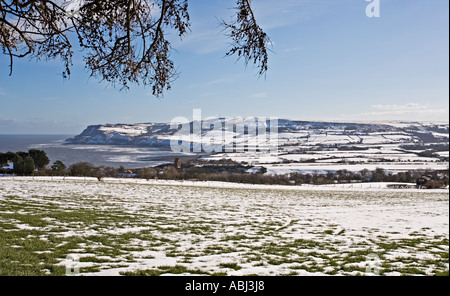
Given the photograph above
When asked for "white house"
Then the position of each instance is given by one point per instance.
(10, 166)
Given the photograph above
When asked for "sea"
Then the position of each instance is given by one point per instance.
(106, 155)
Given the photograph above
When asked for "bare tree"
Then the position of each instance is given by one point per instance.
(124, 41)
(249, 40)
(35, 28)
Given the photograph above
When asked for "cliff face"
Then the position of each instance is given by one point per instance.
(151, 135)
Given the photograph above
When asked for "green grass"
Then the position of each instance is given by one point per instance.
(22, 254)
(441, 273)
(235, 237)
(146, 272)
(37, 234)
(231, 265)
(309, 266)
(177, 269)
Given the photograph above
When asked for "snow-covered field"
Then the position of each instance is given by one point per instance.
(329, 148)
(168, 227)
(318, 167)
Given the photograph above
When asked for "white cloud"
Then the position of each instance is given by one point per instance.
(409, 106)
(7, 122)
(292, 49)
(203, 41)
(409, 111)
(207, 35)
(223, 80)
(260, 95)
(406, 109)
(220, 81)
(38, 126)
(287, 12)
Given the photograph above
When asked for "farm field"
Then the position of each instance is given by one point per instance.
(161, 228)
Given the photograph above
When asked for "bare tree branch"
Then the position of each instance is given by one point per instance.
(123, 41)
(249, 41)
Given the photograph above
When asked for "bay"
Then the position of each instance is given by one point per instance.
(106, 155)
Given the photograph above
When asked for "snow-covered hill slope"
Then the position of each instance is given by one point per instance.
(290, 133)
(301, 146)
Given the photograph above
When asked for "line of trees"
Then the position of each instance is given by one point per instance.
(438, 179)
(35, 163)
(25, 163)
(236, 173)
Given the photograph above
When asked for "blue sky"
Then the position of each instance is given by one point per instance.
(329, 62)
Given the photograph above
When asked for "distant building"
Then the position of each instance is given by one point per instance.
(9, 166)
(128, 174)
(422, 181)
(177, 163)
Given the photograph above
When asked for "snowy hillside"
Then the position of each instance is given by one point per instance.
(289, 133)
(301, 145)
